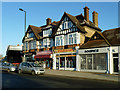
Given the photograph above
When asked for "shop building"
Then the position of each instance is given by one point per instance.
(46, 42)
(31, 42)
(70, 34)
(101, 53)
(14, 54)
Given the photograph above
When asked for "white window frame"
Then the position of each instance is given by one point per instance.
(73, 38)
(59, 41)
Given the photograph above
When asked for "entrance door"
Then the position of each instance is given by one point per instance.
(115, 64)
(89, 62)
(57, 63)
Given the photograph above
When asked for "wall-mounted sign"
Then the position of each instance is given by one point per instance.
(44, 53)
(66, 56)
(94, 50)
(32, 50)
(64, 50)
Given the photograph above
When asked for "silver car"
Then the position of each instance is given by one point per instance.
(8, 67)
(30, 67)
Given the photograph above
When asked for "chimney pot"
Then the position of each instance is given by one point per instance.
(48, 21)
(95, 18)
(86, 13)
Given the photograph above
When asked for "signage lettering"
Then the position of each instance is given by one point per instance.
(96, 50)
(64, 50)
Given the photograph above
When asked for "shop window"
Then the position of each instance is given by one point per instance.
(62, 62)
(83, 61)
(89, 62)
(99, 62)
(96, 62)
(71, 62)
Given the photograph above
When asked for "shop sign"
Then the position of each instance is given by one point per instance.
(66, 56)
(64, 50)
(32, 50)
(95, 50)
(44, 53)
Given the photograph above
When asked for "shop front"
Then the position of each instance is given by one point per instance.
(45, 59)
(104, 60)
(29, 55)
(65, 60)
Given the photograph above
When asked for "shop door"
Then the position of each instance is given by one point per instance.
(57, 63)
(115, 64)
(89, 62)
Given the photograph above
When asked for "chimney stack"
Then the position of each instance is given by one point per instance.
(95, 18)
(48, 21)
(86, 13)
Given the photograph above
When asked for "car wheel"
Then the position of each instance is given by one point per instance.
(19, 71)
(8, 70)
(33, 72)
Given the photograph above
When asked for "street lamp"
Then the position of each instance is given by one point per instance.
(25, 17)
(25, 28)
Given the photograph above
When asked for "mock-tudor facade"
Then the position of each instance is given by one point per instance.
(61, 45)
(70, 34)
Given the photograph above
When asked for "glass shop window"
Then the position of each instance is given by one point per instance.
(71, 62)
(83, 61)
(62, 62)
(100, 62)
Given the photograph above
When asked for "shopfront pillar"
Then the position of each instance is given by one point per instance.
(54, 61)
(111, 60)
(65, 63)
(77, 59)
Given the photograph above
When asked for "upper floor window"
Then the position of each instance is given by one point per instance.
(72, 39)
(66, 25)
(31, 35)
(47, 32)
(59, 41)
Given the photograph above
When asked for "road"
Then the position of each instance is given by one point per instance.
(15, 80)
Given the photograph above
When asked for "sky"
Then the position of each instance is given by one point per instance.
(38, 12)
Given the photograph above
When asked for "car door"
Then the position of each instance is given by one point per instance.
(23, 67)
(28, 68)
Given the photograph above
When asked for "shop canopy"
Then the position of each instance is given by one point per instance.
(43, 54)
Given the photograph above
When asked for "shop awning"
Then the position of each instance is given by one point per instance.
(42, 56)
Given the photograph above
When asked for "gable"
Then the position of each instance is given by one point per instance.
(96, 36)
(32, 32)
(68, 24)
(97, 40)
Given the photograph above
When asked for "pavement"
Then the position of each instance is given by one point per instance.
(84, 75)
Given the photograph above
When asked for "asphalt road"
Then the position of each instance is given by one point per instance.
(15, 80)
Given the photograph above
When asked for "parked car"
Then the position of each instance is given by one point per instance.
(8, 67)
(31, 67)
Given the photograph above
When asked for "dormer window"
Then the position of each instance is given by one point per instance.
(47, 32)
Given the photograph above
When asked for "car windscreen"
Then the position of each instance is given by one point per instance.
(35, 65)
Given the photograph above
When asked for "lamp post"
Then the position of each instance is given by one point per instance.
(25, 17)
(24, 29)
